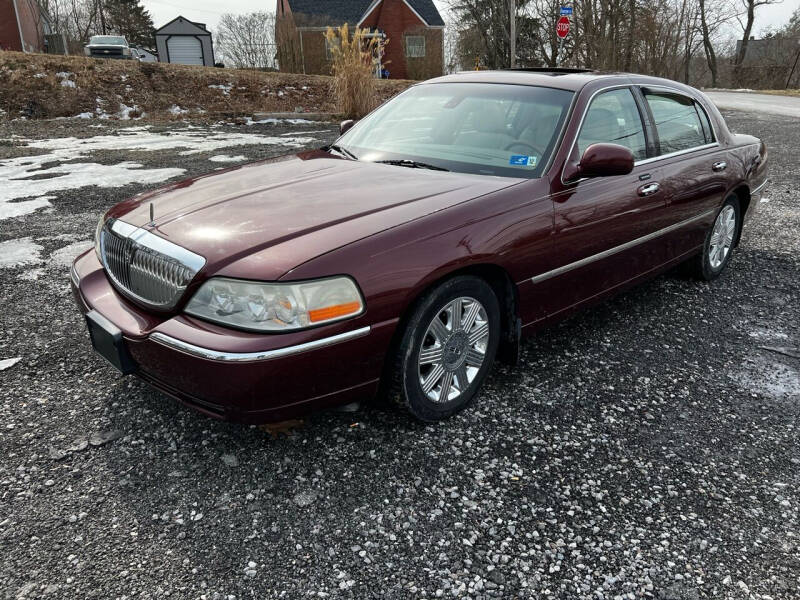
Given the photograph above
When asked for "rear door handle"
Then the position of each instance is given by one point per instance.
(648, 189)
(719, 166)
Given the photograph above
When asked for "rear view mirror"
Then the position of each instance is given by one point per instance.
(602, 160)
(344, 126)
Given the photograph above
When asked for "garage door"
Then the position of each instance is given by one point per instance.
(185, 50)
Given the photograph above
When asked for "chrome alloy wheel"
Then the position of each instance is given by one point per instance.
(453, 349)
(722, 237)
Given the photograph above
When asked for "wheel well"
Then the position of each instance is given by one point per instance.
(507, 295)
(743, 194)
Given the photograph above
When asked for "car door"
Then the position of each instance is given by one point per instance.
(692, 163)
(603, 226)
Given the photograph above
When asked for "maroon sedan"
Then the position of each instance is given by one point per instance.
(467, 211)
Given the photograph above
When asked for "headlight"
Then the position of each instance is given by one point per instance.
(276, 306)
(98, 230)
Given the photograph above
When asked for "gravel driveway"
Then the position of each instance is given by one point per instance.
(647, 448)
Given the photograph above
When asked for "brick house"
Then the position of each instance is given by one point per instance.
(414, 30)
(23, 25)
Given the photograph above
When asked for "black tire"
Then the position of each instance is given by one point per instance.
(403, 379)
(700, 266)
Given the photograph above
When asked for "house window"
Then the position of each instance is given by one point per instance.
(415, 46)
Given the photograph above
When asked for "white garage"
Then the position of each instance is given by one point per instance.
(185, 42)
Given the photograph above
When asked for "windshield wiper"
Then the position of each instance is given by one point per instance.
(342, 151)
(411, 164)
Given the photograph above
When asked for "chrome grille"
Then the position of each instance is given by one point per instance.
(145, 267)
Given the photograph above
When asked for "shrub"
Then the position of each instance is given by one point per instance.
(353, 63)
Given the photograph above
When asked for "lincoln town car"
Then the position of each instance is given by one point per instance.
(406, 257)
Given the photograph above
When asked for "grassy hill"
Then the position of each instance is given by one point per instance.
(42, 86)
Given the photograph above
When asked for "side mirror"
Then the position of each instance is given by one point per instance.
(344, 126)
(602, 160)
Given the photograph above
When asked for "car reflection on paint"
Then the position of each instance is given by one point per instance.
(406, 257)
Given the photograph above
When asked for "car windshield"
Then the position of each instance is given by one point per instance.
(108, 40)
(488, 129)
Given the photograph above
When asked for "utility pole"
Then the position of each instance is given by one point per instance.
(512, 10)
(794, 66)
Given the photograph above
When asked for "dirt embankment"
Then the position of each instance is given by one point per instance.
(40, 86)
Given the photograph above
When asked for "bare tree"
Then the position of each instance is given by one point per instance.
(247, 41)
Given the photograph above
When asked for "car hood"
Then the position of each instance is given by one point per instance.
(263, 219)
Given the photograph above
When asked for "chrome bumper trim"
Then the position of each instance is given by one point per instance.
(73, 275)
(759, 188)
(209, 354)
(617, 249)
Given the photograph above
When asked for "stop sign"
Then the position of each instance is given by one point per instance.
(562, 27)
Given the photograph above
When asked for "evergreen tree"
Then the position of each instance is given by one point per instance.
(129, 18)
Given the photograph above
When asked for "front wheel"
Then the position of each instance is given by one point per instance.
(448, 346)
(718, 246)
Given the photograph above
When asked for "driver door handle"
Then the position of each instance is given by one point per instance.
(719, 166)
(648, 189)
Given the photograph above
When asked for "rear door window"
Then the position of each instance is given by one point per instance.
(613, 118)
(677, 122)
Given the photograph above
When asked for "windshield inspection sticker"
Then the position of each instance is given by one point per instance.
(520, 160)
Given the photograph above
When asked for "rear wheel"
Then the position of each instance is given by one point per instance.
(718, 246)
(448, 346)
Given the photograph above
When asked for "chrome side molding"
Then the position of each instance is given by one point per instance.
(209, 354)
(617, 249)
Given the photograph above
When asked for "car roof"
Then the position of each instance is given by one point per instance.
(564, 79)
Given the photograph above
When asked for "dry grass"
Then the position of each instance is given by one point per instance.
(30, 86)
(780, 92)
(353, 65)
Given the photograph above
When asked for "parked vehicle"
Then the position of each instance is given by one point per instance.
(108, 46)
(143, 55)
(303, 282)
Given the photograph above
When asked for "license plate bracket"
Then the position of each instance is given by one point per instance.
(108, 342)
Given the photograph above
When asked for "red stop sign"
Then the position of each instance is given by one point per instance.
(562, 27)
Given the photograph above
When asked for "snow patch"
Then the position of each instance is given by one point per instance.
(64, 74)
(31, 274)
(225, 89)
(176, 110)
(10, 210)
(125, 111)
(249, 121)
(7, 363)
(68, 83)
(84, 115)
(224, 158)
(63, 257)
(40, 75)
(16, 253)
(77, 175)
(24, 177)
(771, 378)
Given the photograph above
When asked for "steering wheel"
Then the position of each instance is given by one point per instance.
(537, 151)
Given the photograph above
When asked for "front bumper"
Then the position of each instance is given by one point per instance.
(234, 375)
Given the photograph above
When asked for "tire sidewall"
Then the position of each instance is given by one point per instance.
(415, 399)
(710, 272)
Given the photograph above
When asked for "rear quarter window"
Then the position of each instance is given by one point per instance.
(680, 123)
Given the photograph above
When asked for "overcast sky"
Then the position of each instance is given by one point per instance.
(209, 11)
